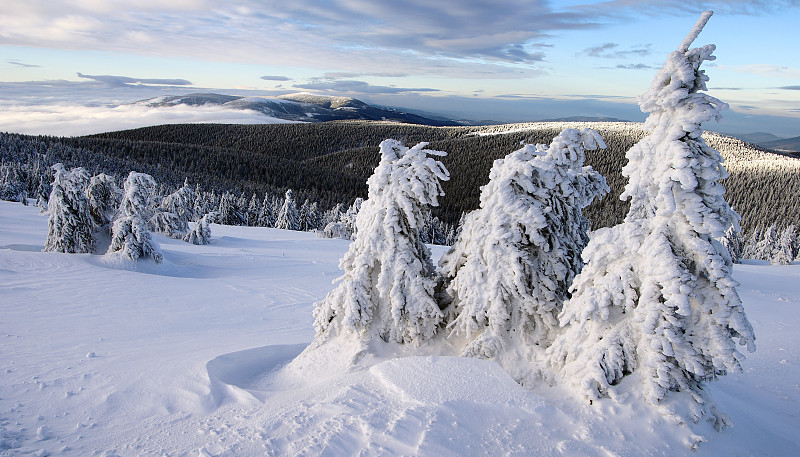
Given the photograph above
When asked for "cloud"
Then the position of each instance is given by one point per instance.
(276, 78)
(790, 88)
(353, 32)
(610, 51)
(777, 71)
(121, 81)
(359, 87)
(71, 120)
(727, 7)
(628, 66)
(22, 64)
(346, 75)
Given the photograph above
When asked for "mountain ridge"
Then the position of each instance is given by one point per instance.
(303, 107)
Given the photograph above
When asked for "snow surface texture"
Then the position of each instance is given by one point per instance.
(656, 298)
(184, 359)
(523, 248)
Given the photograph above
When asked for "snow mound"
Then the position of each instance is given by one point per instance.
(440, 380)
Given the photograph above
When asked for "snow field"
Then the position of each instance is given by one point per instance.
(198, 356)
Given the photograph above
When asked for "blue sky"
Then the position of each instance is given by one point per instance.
(506, 61)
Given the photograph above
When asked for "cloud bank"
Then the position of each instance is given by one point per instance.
(71, 120)
(121, 81)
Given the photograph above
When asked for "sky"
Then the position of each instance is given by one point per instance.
(68, 61)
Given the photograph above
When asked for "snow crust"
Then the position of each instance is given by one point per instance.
(198, 356)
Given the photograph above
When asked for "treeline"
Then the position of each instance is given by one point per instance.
(329, 163)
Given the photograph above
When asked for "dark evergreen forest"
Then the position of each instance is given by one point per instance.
(330, 162)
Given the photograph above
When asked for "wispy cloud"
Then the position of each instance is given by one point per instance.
(347, 75)
(358, 87)
(729, 7)
(20, 63)
(121, 81)
(612, 51)
(777, 71)
(790, 88)
(276, 78)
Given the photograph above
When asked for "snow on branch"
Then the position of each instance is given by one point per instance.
(698, 27)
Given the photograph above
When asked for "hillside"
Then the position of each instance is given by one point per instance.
(330, 162)
(758, 187)
(787, 145)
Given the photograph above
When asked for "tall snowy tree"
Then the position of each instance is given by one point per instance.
(389, 278)
(656, 297)
(129, 235)
(70, 221)
(104, 196)
(288, 217)
(511, 267)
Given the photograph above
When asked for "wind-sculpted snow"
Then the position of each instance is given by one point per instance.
(156, 361)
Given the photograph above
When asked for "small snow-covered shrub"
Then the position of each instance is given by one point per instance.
(201, 233)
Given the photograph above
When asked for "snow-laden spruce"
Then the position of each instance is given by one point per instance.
(104, 196)
(69, 218)
(511, 266)
(129, 234)
(172, 216)
(288, 216)
(389, 279)
(656, 297)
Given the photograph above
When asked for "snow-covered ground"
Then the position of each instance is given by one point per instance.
(190, 358)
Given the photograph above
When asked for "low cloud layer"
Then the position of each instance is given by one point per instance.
(358, 87)
(70, 120)
(121, 81)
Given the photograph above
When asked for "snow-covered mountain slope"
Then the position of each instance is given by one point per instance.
(301, 107)
(197, 357)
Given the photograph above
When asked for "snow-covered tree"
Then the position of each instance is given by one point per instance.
(766, 246)
(786, 247)
(388, 283)
(267, 214)
(229, 211)
(288, 217)
(733, 243)
(511, 267)
(172, 215)
(656, 297)
(70, 222)
(201, 233)
(253, 209)
(129, 233)
(104, 196)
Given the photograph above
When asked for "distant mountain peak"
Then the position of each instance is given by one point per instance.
(327, 101)
(302, 107)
